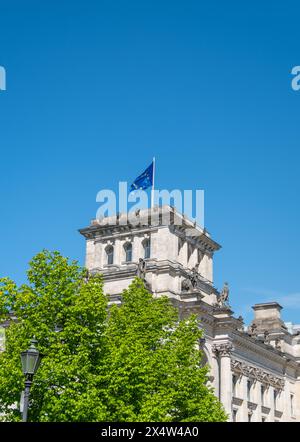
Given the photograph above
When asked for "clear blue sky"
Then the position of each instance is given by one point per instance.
(96, 88)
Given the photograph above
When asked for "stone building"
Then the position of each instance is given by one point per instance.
(254, 370)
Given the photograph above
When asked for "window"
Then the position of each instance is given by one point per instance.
(234, 415)
(275, 395)
(234, 381)
(249, 390)
(292, 405)
(262, 394)
(147, 248)
(128, 252)
(109, 254)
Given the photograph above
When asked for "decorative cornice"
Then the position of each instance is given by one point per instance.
(243, 340)
(162, 216)
(257, 374)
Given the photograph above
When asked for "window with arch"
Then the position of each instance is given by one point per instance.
(147, 248)
(128, 252)
(275, 397)
(109, 254)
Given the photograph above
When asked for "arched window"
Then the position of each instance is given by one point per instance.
(109, 254)
(147, 248)
(128, 251)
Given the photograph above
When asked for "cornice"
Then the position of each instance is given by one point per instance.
(243, 340)
(177, 223)
(115, 272)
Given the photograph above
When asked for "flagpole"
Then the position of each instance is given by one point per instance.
(152, 190)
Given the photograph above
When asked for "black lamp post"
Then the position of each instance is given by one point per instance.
(30, 359)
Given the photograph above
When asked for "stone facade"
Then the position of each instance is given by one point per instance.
(254, 370)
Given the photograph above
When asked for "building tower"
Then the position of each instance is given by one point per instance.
(255, 371)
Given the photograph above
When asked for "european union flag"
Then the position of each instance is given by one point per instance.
(144, 180)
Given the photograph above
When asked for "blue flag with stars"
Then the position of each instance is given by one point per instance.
(144, 180)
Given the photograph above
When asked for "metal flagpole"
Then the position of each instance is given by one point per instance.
(152, 190)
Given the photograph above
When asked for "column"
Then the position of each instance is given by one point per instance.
(118, 251)
(271, 403)
(89, 255)
(98, 255)
(137, 249)
(243, 411)
(215, 373)
(256, 399)
(223, 350)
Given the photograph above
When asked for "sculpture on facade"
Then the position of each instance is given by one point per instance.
(141, 273)
(224, 296)
(278, 344)
(194, 276)
(190, 283)
(186, 285)
(141, 269)
(252, 329)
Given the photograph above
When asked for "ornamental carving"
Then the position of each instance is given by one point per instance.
(191, 283)
(222, 299)
(257, 374)
(223, 349)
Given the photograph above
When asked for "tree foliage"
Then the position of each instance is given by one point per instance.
(136, 362)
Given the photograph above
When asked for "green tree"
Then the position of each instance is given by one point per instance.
(136, 362)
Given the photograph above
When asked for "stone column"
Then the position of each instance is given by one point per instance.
(223, 350)
(118, 251)
(215, 372)
(271, 403)
(256, 399)
(99, 255)
(137, 249)
(243, 417)
(90, 254)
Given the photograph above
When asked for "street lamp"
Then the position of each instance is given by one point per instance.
(30, 359)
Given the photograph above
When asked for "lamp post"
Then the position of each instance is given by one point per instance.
(30, 359)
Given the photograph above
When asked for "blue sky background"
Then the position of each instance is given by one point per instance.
(96, 88)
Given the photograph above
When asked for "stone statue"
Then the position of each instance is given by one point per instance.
(252, 329)
(186, 285)
(224, 295)
(141, 269)
(195, 275)
(191, 282)
(278, 344)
